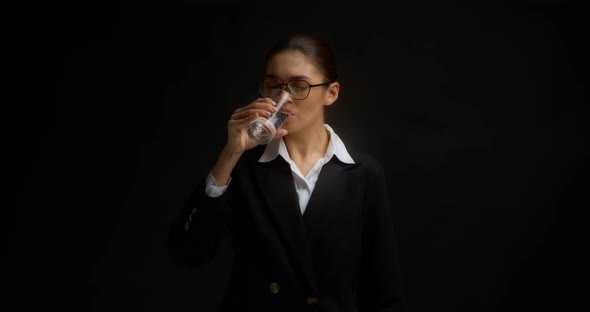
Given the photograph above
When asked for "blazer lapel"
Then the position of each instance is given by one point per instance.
(337, 187)
(278, 189)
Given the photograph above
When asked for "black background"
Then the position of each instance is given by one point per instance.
(116, 110)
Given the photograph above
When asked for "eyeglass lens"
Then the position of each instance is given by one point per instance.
(298, 88)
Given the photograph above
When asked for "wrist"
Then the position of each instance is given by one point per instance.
(224, 166)
(230, 153)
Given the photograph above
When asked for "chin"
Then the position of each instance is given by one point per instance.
(290, 127)
(286, 127)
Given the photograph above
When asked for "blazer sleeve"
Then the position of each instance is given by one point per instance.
(380, 278)
(200, 227)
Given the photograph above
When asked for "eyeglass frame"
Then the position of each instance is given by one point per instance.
(285, 84)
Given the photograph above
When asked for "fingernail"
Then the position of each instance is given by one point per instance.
(273, 103)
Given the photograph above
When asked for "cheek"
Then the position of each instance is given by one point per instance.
(310, 105)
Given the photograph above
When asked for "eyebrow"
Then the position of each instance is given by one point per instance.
(290, 78)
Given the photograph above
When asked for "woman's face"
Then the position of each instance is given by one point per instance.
(292, 64)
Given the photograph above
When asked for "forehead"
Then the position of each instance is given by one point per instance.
(291, 63)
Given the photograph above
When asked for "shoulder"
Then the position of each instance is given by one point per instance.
(367, 161)
(373, 177)
(360, 157)
(249, 158)
(253, 155)
(370, 168)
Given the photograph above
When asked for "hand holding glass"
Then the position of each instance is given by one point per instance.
(262, 130)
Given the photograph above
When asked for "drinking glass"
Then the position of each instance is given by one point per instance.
(263, 130)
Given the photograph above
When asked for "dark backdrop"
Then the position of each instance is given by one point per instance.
(477, 111)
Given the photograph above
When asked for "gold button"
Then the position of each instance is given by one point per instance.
(312, 300)
(190, 218)
(186, 226)
(194, 210)
(274, 288)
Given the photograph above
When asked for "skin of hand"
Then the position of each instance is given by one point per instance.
(238, 140)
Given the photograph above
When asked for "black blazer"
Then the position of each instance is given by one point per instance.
(339, 256)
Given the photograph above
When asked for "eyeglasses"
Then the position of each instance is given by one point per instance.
(299, 89)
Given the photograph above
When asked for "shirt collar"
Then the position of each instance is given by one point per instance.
(335, 147)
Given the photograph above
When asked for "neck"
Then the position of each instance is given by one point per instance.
(310, 143)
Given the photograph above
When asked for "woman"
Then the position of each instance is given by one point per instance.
(309, 222)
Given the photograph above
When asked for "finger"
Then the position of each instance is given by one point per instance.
(266, 100)
(259, 104)
(246, 114)
(281, 133)
(260, 108)
(241, 123)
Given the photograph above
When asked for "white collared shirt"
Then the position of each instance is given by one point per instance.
(304, 185)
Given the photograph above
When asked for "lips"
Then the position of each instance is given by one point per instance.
(288, 111)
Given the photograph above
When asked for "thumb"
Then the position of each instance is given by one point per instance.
(281, 133)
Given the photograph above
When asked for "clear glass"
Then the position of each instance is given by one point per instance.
(263, 130)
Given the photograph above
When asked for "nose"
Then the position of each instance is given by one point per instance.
(290, 102)
(284, 99)
(286, 88)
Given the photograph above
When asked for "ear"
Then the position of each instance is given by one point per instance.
(331, 93)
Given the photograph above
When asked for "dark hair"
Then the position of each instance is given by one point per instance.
(313, 47)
